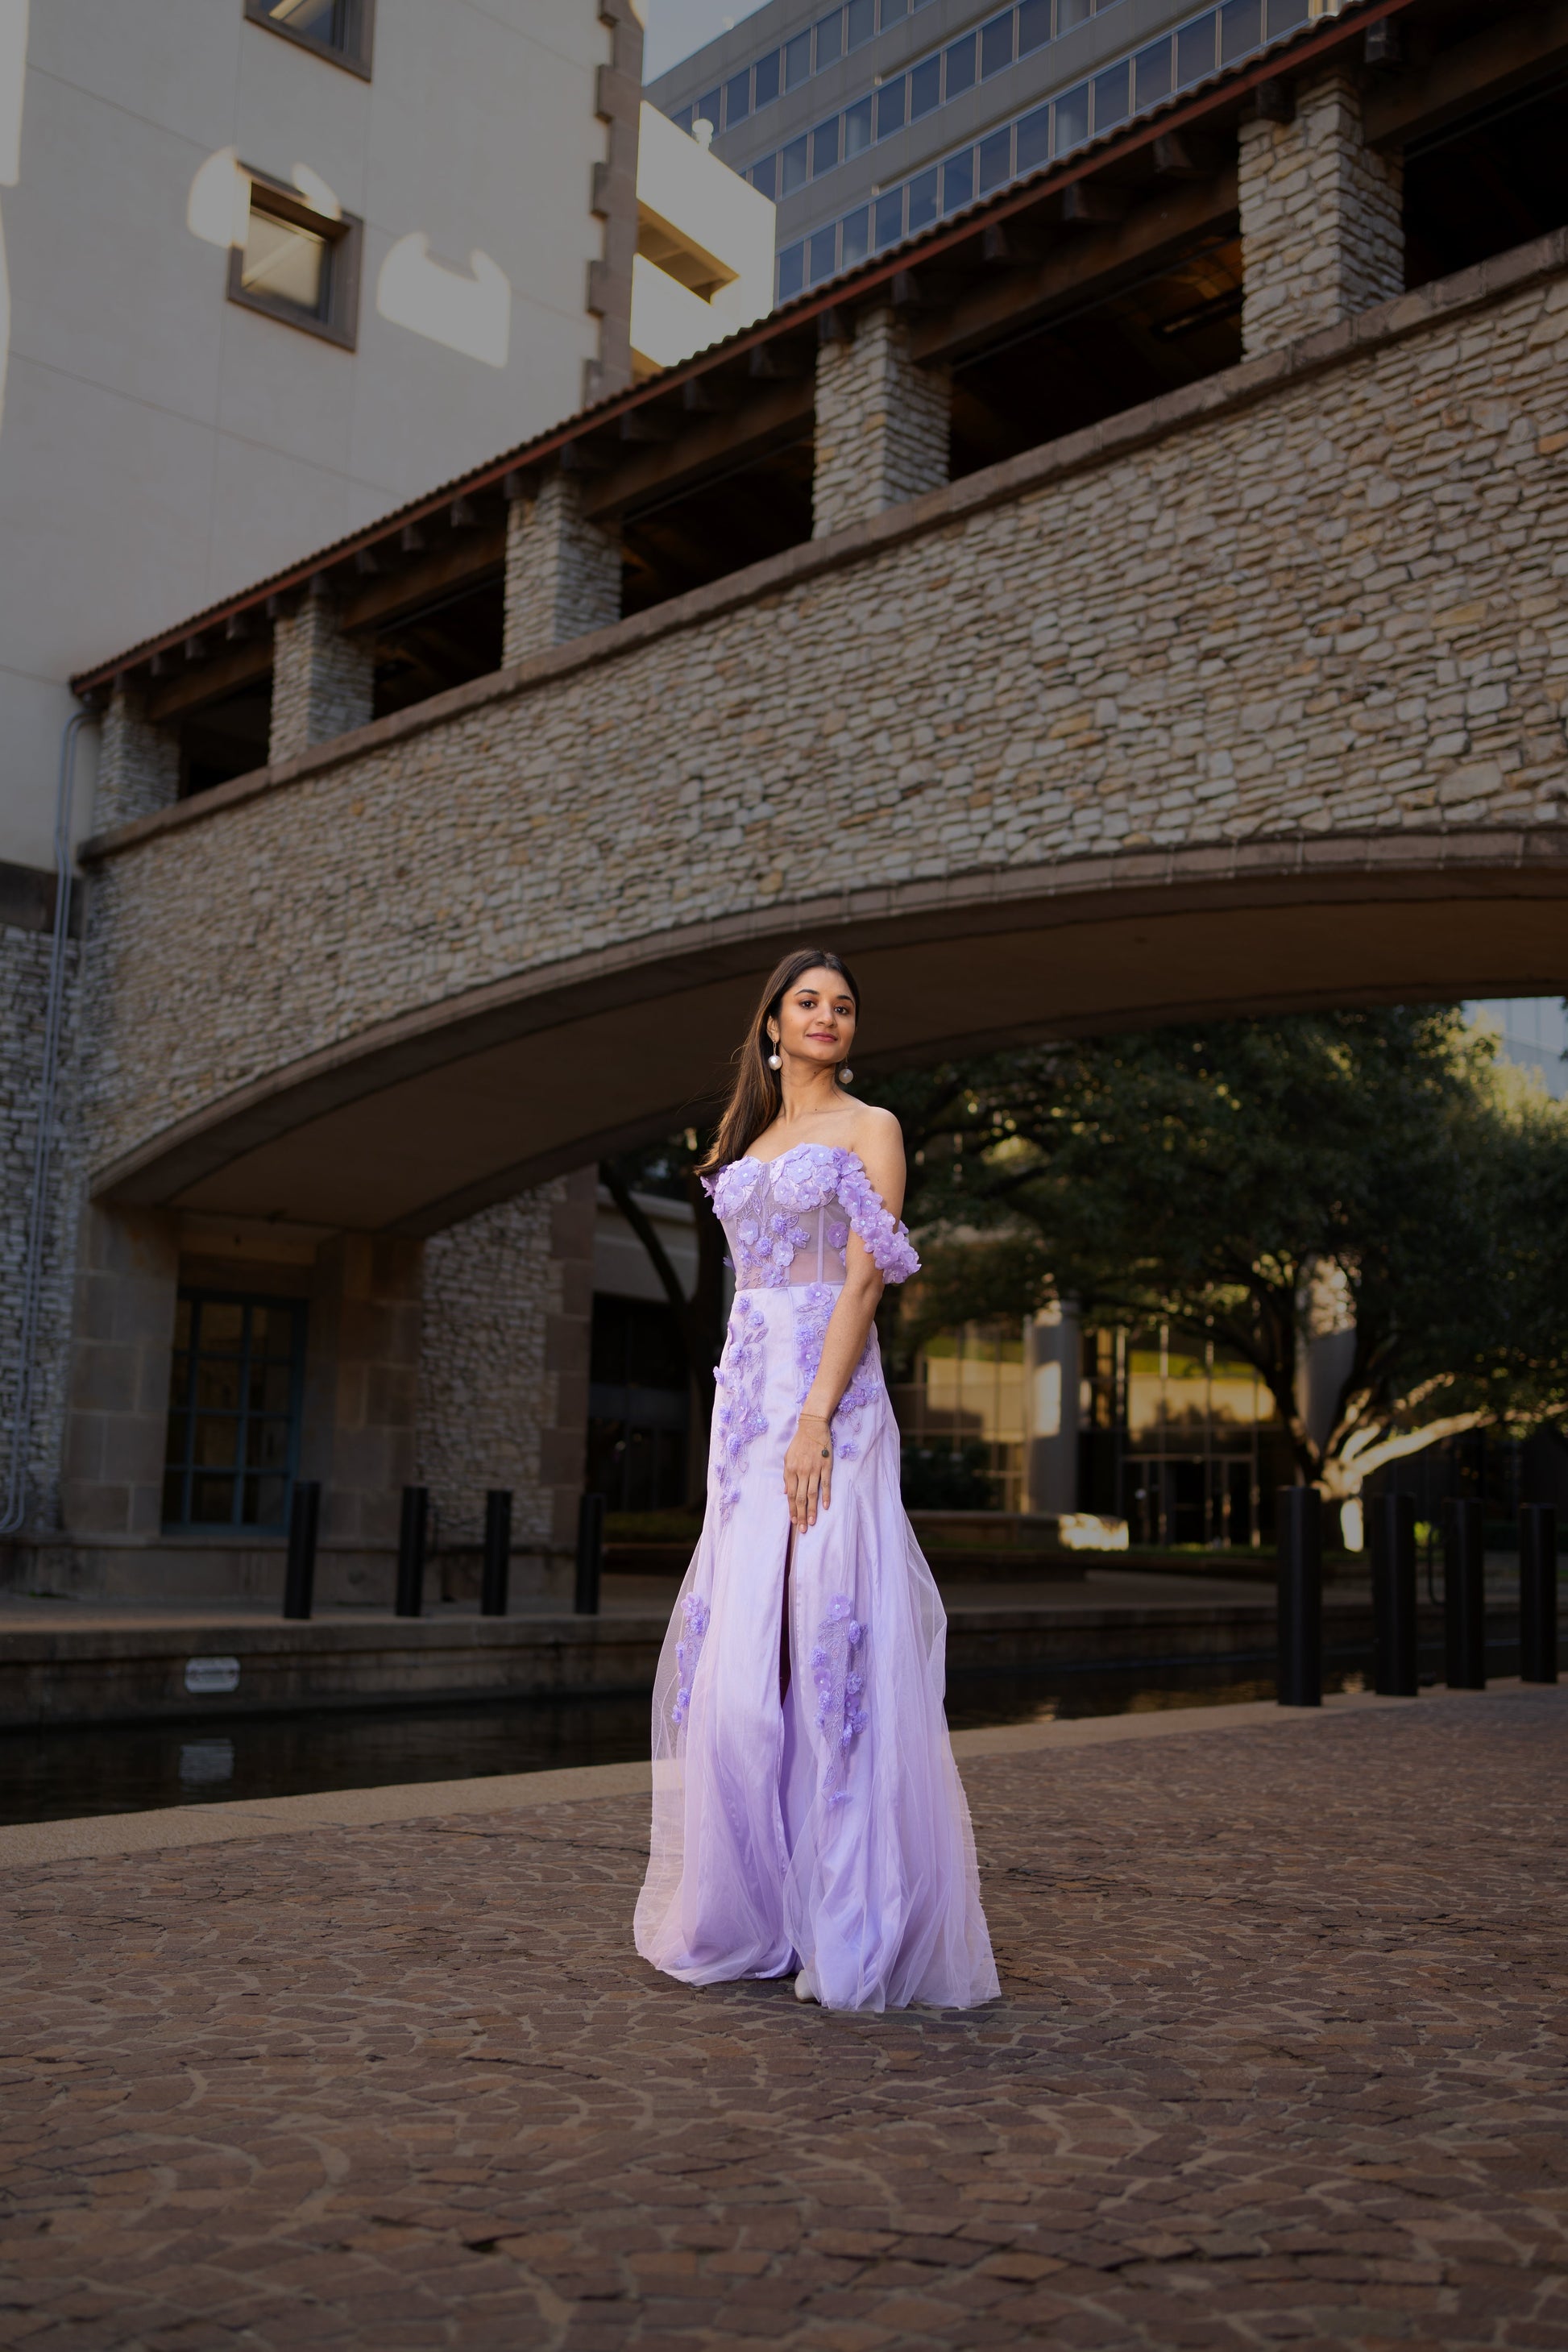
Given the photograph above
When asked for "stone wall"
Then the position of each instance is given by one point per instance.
(1321, 595)
(882, 425)
(562, 573)
(138, 764)
(503, 1370)
(24, 983)
(1323, 235)
(323, 683)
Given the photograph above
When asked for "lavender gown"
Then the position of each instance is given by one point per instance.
(831, 1831)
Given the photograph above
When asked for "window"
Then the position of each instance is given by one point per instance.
(894, 12)
(856, 229)
(298, 264)
(996, 44)
(925, 87)
(737, 98)
(1152, 73)
(1240, 29)
(996, 160)
(1072, 119)
(793, 161)
(890, 107)
(830, 39)
(958, 180)
(1195, 50)
(235, 1395)
(768, 78)
(862, 22)
(890, 218)
(341, 30)
(797, 61)
(856, 126)
(823, 147)
(708, 108)
(822, 254)
(1035, 140)
(764, 178)
(923, 200)
(791, 271)
(1033, 26)
(961, 65)
(1111, 97)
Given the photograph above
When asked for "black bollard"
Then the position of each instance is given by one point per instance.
(1538, 1593)
(498, 1552)
(1464, 1593)
(1394, 1673)
(299, 1576)
(590, 1553)
(1299, 1514)
(411, 1534)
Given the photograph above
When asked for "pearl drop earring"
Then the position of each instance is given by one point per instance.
(846, 1074)
(775, 1061)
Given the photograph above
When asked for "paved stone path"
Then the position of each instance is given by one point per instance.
(1281, 2059)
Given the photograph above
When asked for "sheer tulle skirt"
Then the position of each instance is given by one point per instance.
(829, 1832)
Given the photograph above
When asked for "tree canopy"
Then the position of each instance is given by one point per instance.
(1266, 1183)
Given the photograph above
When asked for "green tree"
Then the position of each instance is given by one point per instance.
(1267, 1182)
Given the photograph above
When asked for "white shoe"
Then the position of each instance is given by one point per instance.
(804, 1988)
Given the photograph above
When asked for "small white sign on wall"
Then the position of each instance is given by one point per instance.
(210, 1677)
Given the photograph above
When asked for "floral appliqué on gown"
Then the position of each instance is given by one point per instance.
(829, 1832)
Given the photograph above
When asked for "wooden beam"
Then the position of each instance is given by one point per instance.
(1173, 216)
(460, 561)
(210, 682)
(1424, 96)
(776, 414)
(1090, 203)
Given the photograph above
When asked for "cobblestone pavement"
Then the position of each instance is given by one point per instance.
(1279, 2058)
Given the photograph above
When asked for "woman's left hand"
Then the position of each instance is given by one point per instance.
(808, 1470)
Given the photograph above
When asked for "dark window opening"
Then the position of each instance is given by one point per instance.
(638, 1405)
(717, 526)
(1495, 179)
(340, 30)
(234, 1394)
(225, 739)
(443, 643)
(1168, 329)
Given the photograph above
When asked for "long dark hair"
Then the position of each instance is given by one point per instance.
(754, 1099)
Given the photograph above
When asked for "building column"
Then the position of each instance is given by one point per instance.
(1051, 1408)
(1321, 227)
(138, 764)
(117, 1409)
(881, 425)
(361, 1380)
(563, 573)
(323, 681)
(503, 1379)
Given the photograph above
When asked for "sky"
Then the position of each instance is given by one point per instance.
(676, 27)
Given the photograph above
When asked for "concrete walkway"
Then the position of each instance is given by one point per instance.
(1280, 2057)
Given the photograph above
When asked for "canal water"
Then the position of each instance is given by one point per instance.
(63, 1773)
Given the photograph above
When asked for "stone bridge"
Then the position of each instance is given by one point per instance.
(1247, 696)
(1250, 699)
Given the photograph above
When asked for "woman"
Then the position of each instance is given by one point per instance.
(807, 1813)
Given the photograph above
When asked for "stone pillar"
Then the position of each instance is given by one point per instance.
(1051, 1350)
(117, 1413)
(563, 573)
(138, 764)
(323, 682)
(503, 1379)
(1322, 227)
(881, 425)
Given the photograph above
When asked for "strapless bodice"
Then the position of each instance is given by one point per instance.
(788, 1220)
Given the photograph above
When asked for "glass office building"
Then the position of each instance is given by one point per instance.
(871, 121)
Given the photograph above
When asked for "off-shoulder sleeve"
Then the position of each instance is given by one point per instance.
(885, 1235)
